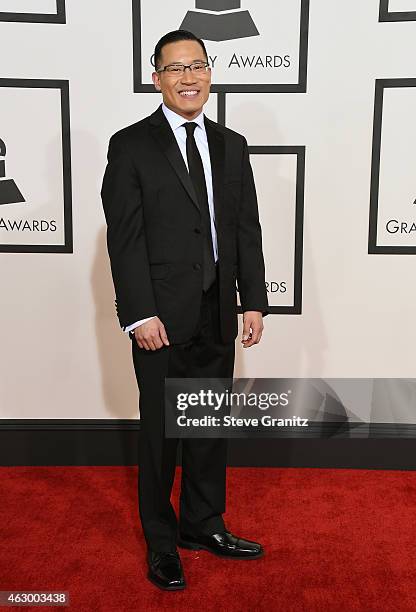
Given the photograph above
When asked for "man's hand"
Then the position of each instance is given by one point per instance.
(252, 327)
(151, 335)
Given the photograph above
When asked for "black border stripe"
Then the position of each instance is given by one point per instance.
(109, 442)
(137, 45)
(375, 167)
(304, 43)
(221, 108)
(328, 429)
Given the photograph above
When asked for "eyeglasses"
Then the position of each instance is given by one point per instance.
(178, 69)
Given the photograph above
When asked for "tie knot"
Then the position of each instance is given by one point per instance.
(189, 127)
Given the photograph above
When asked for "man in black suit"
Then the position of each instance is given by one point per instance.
(183, 228)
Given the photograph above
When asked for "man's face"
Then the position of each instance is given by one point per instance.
(171, 85)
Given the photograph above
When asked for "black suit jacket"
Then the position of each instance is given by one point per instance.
(154, 227)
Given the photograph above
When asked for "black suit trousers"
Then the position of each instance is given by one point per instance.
(202, 497)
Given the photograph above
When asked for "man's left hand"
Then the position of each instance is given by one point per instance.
(252, 327)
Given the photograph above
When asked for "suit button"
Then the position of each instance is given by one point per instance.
(197, 266)
(197, 230)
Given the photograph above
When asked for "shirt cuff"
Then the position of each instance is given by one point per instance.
(134, 325)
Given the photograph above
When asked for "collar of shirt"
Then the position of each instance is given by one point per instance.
(176, 121)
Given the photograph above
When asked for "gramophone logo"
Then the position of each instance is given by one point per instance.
(251, 46)
(9, 191)
(212, 20)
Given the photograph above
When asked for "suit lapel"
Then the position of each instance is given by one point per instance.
(166, 140)
(217, 154)
(163, 134)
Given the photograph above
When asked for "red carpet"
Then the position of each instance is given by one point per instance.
(334, 539)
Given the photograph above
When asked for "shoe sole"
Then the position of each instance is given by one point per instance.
(169, 588)
(191, 546)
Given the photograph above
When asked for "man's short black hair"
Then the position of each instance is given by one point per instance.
(175, 36)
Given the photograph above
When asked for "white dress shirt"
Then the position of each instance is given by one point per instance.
(176, 123)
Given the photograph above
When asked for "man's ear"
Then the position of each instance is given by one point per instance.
(156, 82)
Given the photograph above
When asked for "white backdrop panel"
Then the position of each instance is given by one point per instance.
(402, 5)
(397, 194)
(28, 6)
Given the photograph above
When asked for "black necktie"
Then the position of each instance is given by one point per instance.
(196, 171)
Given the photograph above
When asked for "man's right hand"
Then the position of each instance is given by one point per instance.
(151, 335)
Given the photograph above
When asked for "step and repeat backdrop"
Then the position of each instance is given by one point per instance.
(325, 93)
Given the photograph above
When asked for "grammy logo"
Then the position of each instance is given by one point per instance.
(212, 20)
(9, 192)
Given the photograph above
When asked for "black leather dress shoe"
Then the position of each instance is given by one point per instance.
(165, 570)
(223, 544)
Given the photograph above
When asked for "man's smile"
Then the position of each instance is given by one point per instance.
(188, 93)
